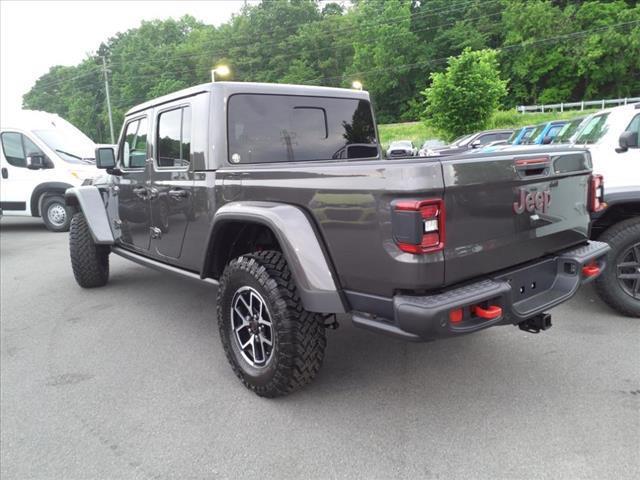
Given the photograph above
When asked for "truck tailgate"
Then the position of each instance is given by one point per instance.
(507, 208)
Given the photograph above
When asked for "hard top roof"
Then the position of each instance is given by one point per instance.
(229, 88)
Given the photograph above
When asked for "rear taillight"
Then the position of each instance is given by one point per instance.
(419, 225)
(596, 194)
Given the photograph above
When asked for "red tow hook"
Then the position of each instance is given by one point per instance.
(591, 270)
(488, 313)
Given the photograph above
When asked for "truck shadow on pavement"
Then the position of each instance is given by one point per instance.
(35, 225)
(501, 359)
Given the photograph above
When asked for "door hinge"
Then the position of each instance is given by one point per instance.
(117, 223)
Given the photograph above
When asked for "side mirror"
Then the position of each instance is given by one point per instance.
(36, 161)
(547, 140)
(475, 143)
(105, 156)
(626, 141)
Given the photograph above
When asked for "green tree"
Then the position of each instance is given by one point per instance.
(385, 48)
(463, 98)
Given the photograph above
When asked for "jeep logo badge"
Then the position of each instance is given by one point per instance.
(532, 201)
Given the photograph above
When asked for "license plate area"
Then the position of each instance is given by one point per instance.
(527, 282)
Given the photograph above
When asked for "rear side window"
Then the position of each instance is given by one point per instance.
(174, 138)
(133, 153)
(283, 128)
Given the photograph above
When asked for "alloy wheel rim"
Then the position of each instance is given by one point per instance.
(628, 271)
(252, 327)
(56, 214)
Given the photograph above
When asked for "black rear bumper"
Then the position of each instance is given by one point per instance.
(519, 293)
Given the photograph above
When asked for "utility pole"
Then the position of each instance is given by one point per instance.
(106, 89)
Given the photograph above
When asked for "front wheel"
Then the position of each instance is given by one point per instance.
(56, 214)
(619, 285)
(90, 262)
(273, 345)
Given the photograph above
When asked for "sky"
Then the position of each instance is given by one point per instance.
(36, 35)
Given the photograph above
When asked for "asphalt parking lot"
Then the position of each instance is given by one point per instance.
(130, 381)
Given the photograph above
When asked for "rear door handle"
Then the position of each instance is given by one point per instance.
(178, 194)
(5, 173)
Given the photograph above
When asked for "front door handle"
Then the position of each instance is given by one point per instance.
(5, 173)
(141, 192)
(178, 194)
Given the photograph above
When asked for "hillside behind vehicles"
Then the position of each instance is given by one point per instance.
(278, 195)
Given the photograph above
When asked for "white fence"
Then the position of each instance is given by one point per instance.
(581, 105)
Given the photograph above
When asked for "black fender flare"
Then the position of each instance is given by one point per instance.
(88, 199)
(46, 187)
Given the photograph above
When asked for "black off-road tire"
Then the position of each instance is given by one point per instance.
(90, 262)
(300, 340)
(620, 237)
(59, 211)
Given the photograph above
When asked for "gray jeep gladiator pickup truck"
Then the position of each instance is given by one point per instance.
(278, 195)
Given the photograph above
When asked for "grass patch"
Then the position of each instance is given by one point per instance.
(418, 132)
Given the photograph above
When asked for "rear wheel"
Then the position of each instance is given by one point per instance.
(273, 345)
(90, 262)
(56, 214)
(619, 285)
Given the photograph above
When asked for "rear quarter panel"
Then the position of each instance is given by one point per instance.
(349, 205)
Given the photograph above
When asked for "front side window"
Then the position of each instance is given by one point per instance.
(287, 128)
(13, 149)
(17, 148)
(593, 130)
(634, 126)
(133, 153)
(174, 138)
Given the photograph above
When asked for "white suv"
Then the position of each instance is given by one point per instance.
(41, 155)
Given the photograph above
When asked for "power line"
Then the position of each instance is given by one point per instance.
(52, 83)
(527, 43)
(368, 27)
(459, 6)
(313, 51)
(500, 49)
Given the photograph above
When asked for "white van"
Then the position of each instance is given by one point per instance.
(41, 155)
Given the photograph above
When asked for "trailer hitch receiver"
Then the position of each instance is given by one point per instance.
(535, 324)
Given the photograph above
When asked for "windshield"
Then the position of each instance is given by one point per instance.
(72, 147)
(564, 136)
(535, 133)
(593, 130)
(463, 141)
(514, 135)
(459, 139)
